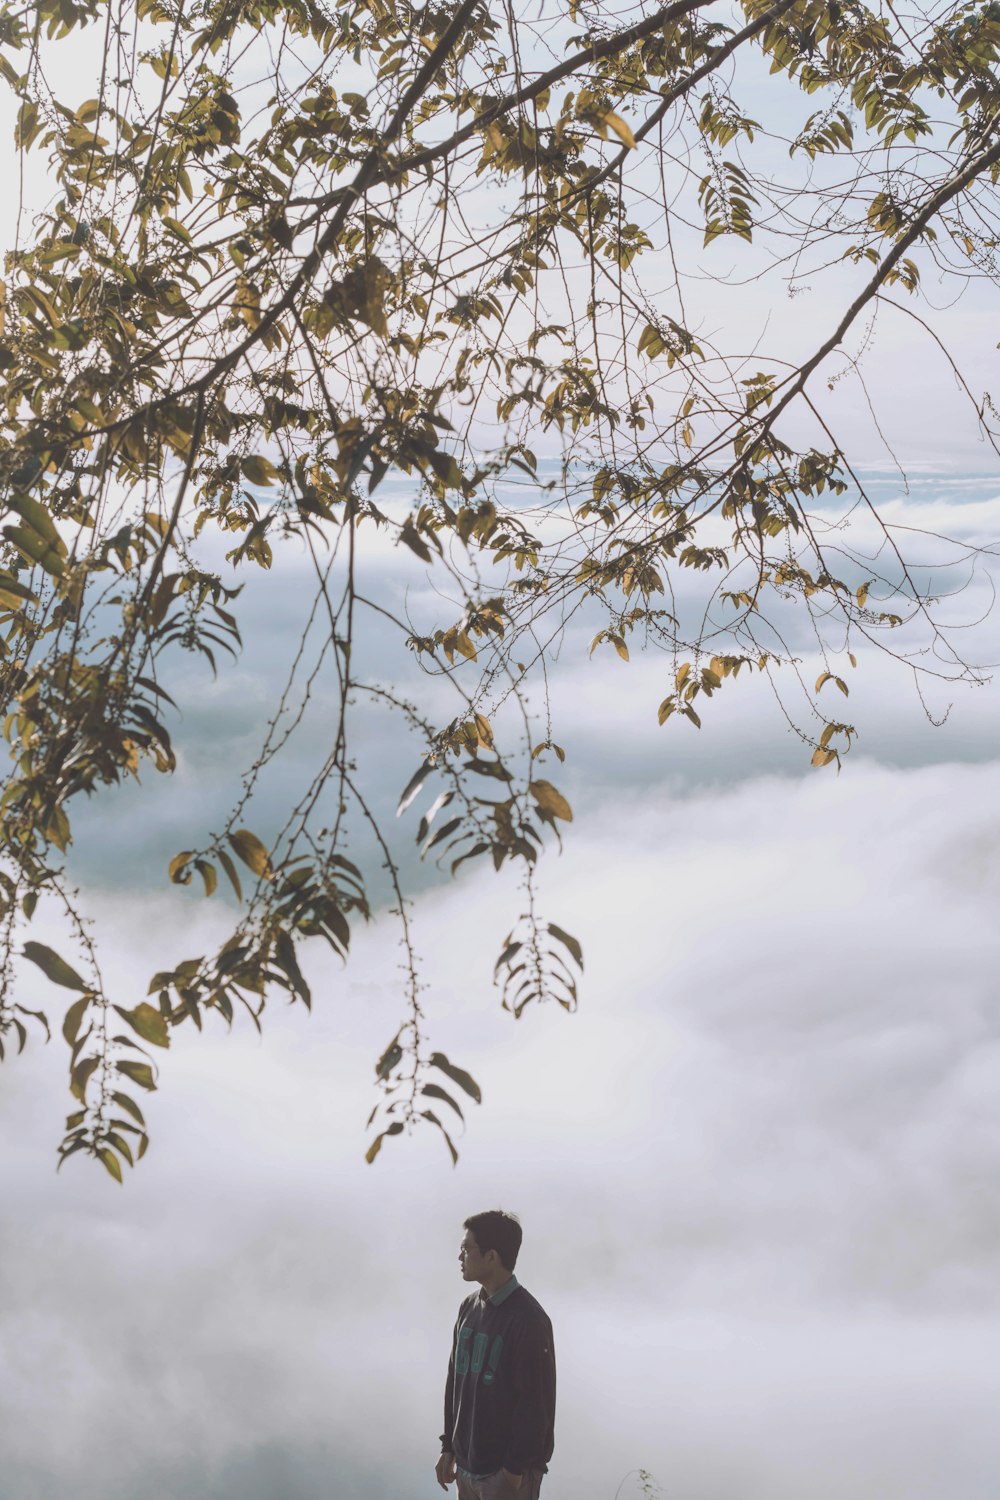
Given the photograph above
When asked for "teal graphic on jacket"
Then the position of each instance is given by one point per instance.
(467, 1362)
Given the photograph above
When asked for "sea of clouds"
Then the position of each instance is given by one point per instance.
(757, 1169)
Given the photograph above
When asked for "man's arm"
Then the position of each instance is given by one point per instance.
(533, 1374)
(447, 1436)
(445, 1468)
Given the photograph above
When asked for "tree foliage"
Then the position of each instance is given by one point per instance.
(292, 248)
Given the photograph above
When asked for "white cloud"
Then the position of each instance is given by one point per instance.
(755, 1172)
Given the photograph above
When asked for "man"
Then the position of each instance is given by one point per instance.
(500, 1400)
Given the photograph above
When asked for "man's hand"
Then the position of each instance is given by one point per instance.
(515, 1479)
(445, 1470)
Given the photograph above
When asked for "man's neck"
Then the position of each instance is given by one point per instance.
(493, 1283)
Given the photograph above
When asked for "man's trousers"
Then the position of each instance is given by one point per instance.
(499, 1487)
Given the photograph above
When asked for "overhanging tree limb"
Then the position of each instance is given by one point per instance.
(530, 314)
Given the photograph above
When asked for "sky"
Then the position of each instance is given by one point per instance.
(757, 1170)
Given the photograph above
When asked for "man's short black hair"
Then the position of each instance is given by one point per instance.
(497, 1230)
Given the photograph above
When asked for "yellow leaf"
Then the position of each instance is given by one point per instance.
(259, 470)
(175, 869)
(251, 851)
(148, 1022)
(551, 801)
(246, 303)
(620, 128)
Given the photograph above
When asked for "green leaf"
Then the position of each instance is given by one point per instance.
(464, 1080)
(252, 852)
(285, 955)
(121, 1145)
(139, 1072)
(177, 228)
(444, 832)
(413, 786)
(428, 818)
(395, 1128)
(568, 941)
(449, 1143)
(130, 1107)
(338, 929)
(494, 768)
(38, 1015)
(259, 470)
(230, 870)
(411, 537)
(509, 952)
(428, 1114)
(27, 126)
(434, 1091)
(67, 1150)
(35, 549)
(38, 518)
(73, 1017)
(13, 592)
(111, 1161)
(650, 342)
(148, 1022)
(390, 1057)
(80, 1076)
(53, 967)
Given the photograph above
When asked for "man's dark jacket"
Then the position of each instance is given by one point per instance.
(500, 1400)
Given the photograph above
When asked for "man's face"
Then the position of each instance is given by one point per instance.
(471, 1258)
